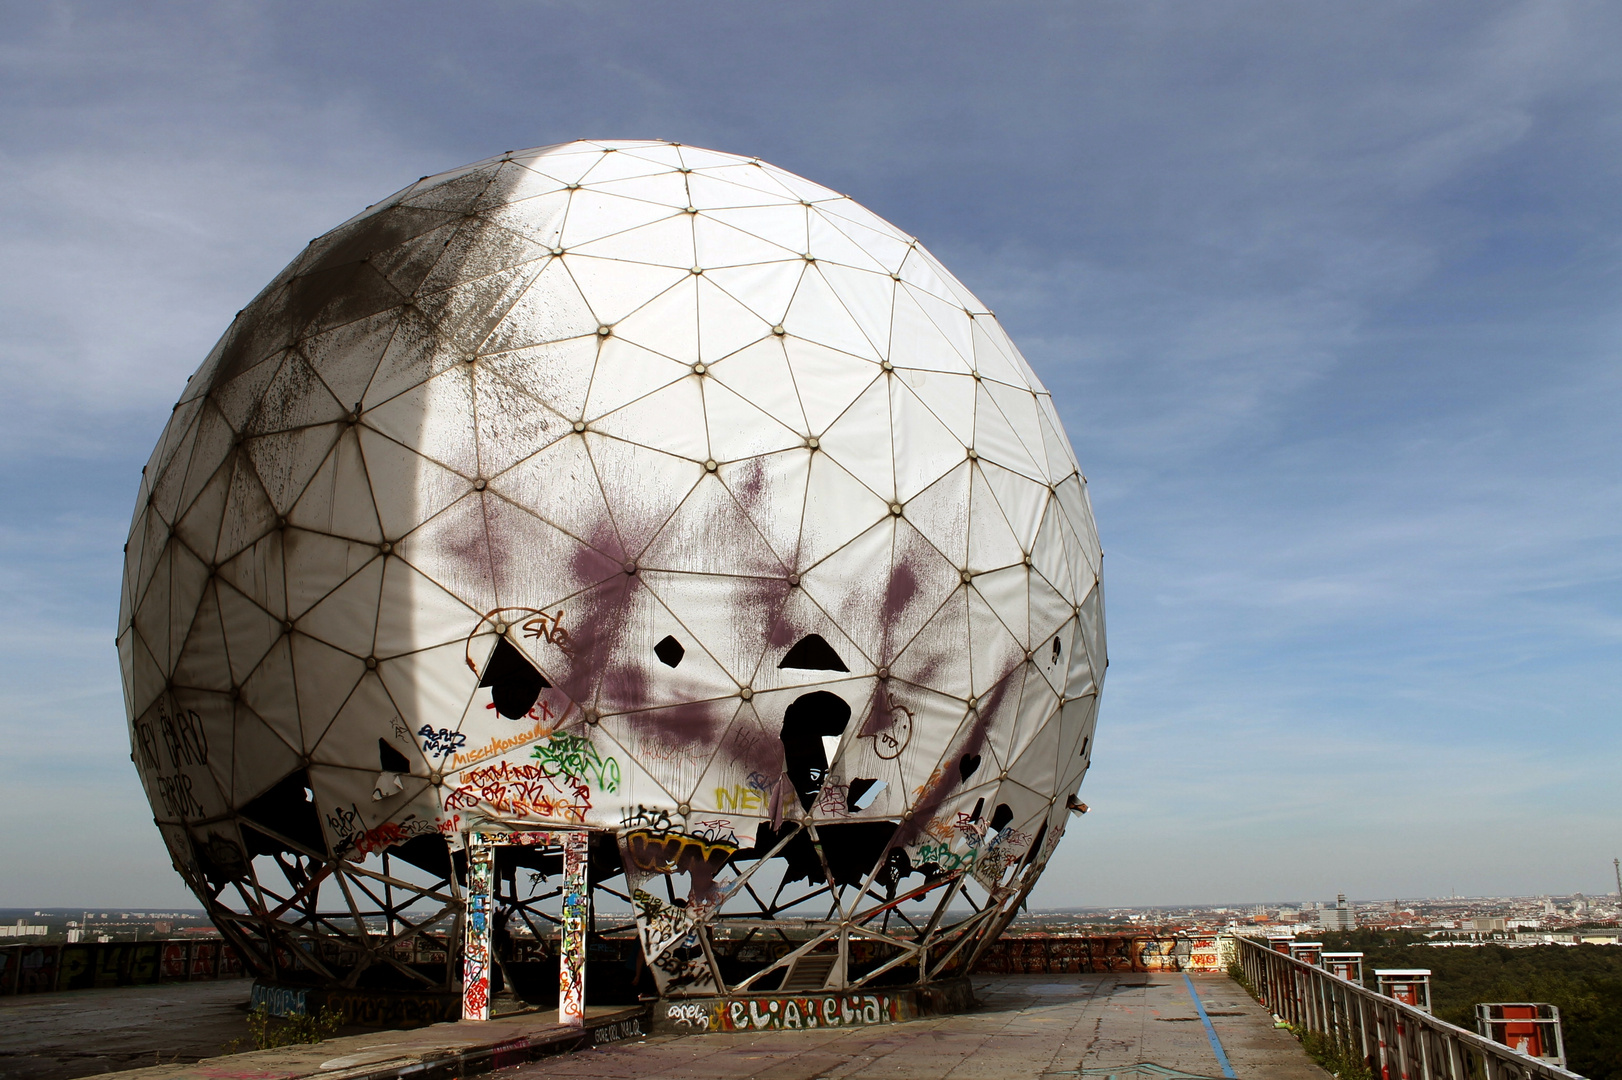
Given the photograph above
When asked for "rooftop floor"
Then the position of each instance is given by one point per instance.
(1027, 1026)
(82, 1032)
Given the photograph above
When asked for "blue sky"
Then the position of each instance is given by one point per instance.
(1327, 296)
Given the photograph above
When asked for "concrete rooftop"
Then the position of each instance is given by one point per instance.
(1027, 1026)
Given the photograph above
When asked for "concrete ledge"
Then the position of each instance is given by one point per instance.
(435, 1052)
(359, 1008)
(778, 1011)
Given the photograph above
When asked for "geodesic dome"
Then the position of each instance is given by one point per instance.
(626, 487)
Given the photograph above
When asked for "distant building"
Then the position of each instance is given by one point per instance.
(1339, 917)
(22, 930)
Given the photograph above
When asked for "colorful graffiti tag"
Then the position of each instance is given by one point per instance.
(572, 965)
(523, 790)
(790, 1013)
(1044, 954)
(476, 948)
(574, 758)
(476, 954)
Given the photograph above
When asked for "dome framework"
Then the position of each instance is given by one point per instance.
(628, 488)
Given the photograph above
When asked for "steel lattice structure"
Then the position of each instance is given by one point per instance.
(625, 487)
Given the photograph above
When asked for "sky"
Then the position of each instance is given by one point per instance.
(1326, 295)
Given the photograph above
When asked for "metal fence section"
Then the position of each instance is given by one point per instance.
(1398, 1041)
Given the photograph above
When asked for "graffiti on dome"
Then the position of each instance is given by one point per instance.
(441, 742)
(716, 831)
(574, 758)
(677, 853)
(523, 790)
(653, 819)
(549, 628)
(501, 745)
(891, 731)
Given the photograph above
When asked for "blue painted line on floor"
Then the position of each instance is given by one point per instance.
(1210, 1032)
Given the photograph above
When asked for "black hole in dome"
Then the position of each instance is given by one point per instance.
(287, 810)
(1036, 844)
(669, 651)
(811, 717)
(220, 860)
(1001, 816)
(812, 653)
(391, 760)
(967, 765)
(851, 849)
(979, 808)
(430, 853)
(513, 681)
(1085, 740)
(858, 788)
(1055, 648)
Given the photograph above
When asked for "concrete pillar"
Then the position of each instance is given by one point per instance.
(481, 864)
(576, 913)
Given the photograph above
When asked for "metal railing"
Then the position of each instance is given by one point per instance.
(1399, 1042)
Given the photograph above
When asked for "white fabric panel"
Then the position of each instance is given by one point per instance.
(921, 579)
(338, 499)
(994, 652)
(204, 662)
(837, 508)
(924, 449)
(668, 324)
(938, 655)
(645, 421)
(941, 513)
(862, 443)
(765, 288)
(558, 374)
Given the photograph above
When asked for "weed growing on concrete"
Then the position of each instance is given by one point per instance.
(268, 1032)
(1236, 972)
(1336, 1056)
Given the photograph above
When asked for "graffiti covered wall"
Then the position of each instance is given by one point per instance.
(38, 969)
(1058, 954)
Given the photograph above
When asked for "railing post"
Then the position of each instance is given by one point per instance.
(1363, 1032)
(1383, 1030)
(1326, 1022)
(1404, 1053)
(1343, 1015)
